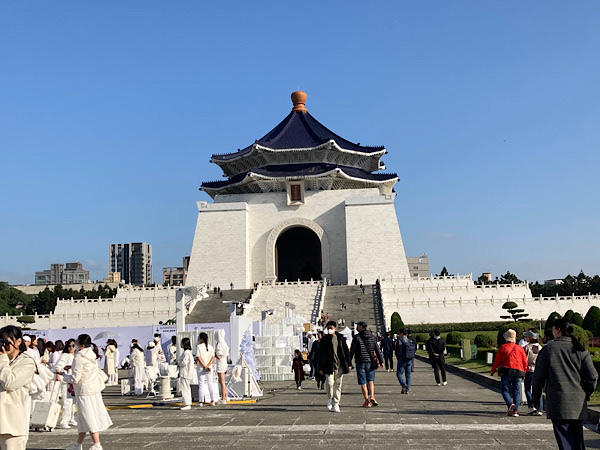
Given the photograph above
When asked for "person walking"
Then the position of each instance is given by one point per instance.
(87, 380)
(221, 356)
(436, 346)
(16, 374)
(511, 357)
(205, 356)
(313, 358)
(334, 363)
(298, 368)
(405, 353)
(567, 371)
(186, 373)
(367, 357)
(67, 393)
(532, 349)
(387, 348)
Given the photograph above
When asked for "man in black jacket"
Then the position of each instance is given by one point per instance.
(368, 357)
(435, 347)
(334, 362)
(387, 348)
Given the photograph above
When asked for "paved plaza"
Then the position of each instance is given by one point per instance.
(462, 415)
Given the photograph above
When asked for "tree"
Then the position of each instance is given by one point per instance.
(592, 321)
(569, 314)
(519, 327)
(396, 323)
(517, 314)
(483, 279)
(444, 272)
(550, 322)
(577, 319)
(509, 278)
(23, 320)
(12, 300)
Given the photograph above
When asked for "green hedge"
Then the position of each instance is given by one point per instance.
(464, 327)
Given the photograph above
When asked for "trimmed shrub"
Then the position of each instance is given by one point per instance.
(589, 333)
(577, 319)
(550, 321)
(484, 341)
(519, 327)
(421, 337)
(581, 336)
(396, 324)
(461, 326)
(592, 321)
(569, 315)
(453, 338)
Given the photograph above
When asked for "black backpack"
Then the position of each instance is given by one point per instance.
(409, 349)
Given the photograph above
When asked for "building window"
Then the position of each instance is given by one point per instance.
(295, 193)
(416, 267)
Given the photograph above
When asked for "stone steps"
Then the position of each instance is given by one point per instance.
(213, 310)
(368, 309)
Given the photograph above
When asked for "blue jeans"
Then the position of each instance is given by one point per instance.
(404, 366)
(528, 389)
(510, 387)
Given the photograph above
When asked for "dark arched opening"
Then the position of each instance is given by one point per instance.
(298, 255)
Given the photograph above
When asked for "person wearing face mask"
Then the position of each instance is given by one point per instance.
(16, 373)
(334, 363)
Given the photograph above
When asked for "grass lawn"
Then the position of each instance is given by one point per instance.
(473, 364)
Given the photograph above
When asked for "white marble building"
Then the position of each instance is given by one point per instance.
(300, 203)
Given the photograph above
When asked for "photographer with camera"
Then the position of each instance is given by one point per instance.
(16, 373)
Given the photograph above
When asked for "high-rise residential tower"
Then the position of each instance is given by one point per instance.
(132, 260)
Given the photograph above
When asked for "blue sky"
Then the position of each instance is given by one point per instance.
(109, 112)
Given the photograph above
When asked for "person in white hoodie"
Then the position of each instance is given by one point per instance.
(139, 367)
(89, 381)
(186, 373)
(16, 373)
(62, 367)
(205, 356)
(221, 355)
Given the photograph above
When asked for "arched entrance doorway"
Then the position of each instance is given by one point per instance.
(298, 255)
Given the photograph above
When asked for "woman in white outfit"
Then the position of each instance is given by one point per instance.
(87, 379)
(139, 367)
(59, 346)
(32, 350)
(16, 373)
(221, 355)
(186, 373)
(61, 368)
(109, 361)
(205, 356)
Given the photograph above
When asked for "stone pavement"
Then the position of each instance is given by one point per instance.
(462, 415)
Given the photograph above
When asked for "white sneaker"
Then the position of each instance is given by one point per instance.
(221, 402)
(73, 423)
(212, 403)
(330, 404)
(186, 408)
(445, 383)
(439, 384)
(75, 446)
(64, 426)
(200, 404)
(299, 388)
(96, 447)
(336, 408)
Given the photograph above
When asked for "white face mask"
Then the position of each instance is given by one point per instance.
(330, 331)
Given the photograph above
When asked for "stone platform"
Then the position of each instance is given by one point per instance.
(462, 415)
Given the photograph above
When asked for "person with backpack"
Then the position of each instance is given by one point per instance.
(532, 348)
(436, 347)
(405, 353)
(368, 357)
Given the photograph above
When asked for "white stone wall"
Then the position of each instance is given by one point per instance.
(238, 229)
(458, 299)
(220, 250)
(373, 239)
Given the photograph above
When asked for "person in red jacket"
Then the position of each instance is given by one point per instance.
(513, 366)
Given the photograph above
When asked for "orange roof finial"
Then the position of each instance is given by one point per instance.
(299, 100)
